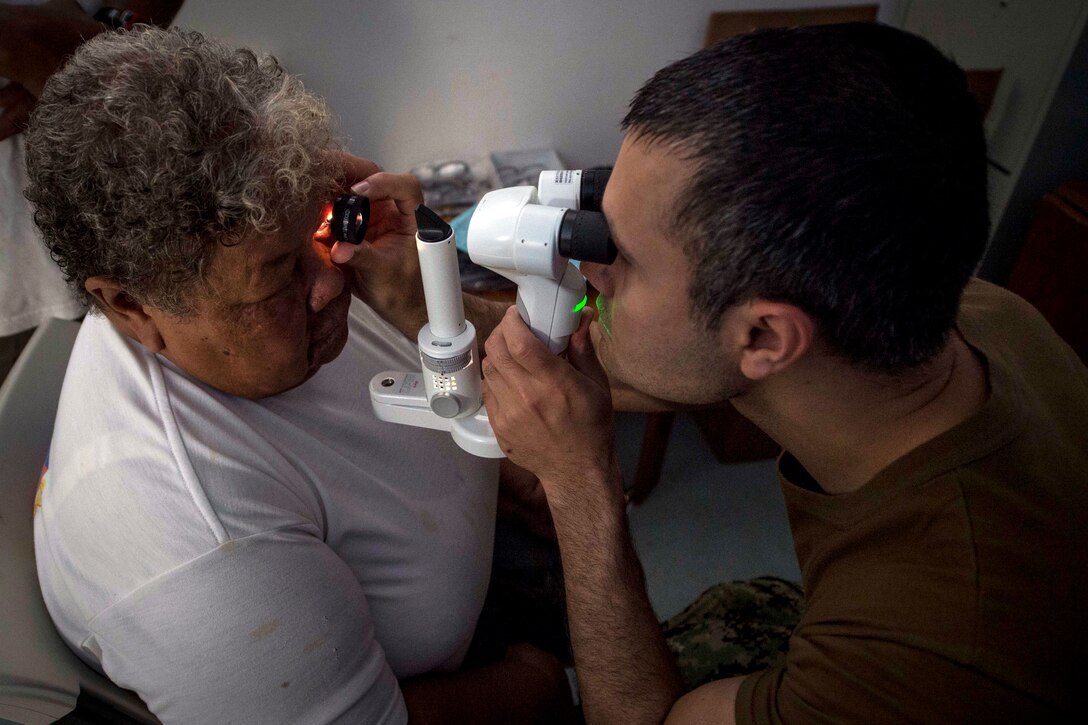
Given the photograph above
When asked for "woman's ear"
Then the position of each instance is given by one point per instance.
(126, 314)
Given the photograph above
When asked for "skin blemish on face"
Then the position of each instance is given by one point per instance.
(312, 646)
(285, 684)
(265, 629)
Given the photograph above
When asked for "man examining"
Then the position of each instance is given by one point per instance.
(798, 214)
(224, 526)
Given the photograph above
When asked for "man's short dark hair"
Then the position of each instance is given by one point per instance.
(838, 168)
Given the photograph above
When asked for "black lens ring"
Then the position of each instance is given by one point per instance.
(591, 193)
(350, 217)
(584, 236)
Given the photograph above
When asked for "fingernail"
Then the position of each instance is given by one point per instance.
(342, 252)
(361, 188)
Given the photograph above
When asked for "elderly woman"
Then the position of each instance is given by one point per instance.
(224, 527)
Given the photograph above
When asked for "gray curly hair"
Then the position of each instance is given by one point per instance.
(151, 148)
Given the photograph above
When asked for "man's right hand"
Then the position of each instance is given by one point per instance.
(384, 269)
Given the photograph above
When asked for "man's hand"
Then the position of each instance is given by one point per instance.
(16, 103)
(35, 40)
(385, 268)
(552, 416)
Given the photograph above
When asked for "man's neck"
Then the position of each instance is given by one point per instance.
(844, 426)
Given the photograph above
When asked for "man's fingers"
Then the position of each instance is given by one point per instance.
(356, 169)
(523, 346)
(495, 344)
(506, 355)
(403, 189)
(497, 389)
(342, 252)
(494, 391)
(583, 356)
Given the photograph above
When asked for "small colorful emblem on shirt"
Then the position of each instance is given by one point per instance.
(41, 485)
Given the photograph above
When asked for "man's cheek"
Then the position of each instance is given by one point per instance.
(604, 315)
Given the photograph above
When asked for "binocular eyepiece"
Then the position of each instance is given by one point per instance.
(585, 236)
(583, 233)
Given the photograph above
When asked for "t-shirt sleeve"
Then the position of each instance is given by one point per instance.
(844, 680)
(273, 627)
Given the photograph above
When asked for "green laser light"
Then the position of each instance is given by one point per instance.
(581, 304)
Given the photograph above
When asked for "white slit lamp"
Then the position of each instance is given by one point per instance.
(528, 235)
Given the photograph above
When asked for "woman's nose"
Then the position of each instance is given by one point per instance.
(326, 280)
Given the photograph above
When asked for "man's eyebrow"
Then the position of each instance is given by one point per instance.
(620, 247)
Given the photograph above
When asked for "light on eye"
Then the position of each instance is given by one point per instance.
(581, 304)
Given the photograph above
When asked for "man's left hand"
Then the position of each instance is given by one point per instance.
(552, 416)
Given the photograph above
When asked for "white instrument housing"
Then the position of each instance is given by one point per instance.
(519, 239)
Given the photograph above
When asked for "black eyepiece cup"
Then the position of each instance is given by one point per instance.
(584, 235)
(592, 190)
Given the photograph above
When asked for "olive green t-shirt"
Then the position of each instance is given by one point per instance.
(951, 587)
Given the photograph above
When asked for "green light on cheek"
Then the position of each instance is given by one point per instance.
(604, 315)
(578, 307)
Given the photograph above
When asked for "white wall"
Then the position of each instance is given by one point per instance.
(416, 81)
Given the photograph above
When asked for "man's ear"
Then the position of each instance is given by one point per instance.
(126, 314)
(770, 336)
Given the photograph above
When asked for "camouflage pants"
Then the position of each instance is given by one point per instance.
(734, 628)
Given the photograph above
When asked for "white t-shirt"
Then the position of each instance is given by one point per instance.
(281, 560)
(32, 288)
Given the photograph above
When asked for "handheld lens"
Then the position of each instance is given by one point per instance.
(350, 217)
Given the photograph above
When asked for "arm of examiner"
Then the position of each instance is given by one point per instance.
(553, 417)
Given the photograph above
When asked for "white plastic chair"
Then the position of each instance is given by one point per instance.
(40, 678)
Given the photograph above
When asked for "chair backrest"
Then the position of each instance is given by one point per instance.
(40, 677)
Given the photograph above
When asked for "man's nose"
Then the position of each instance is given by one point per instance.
(599, 276)
(326, 280)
